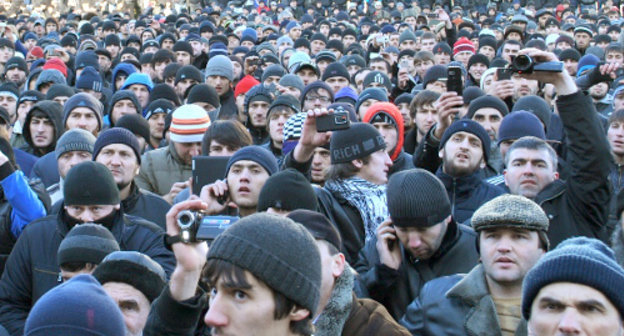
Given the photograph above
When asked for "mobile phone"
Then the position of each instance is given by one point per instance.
(333, 122)
(503, 74)
(454, 80)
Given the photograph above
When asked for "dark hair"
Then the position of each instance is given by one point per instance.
(532, 143)
(75, 266)
(616, 116)
(234, 277)
(230, 133)
(424, 97)
(614, 47)
(427, 36)
(518, 43)
(381, 59)
(424, 55)
(344, 170)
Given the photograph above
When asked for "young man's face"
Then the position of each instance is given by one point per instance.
(69, 159)
(220, 83)
(245, 179)
(615, 135)
(422, 66)
(276, 125)
(121, 161)
(141, 92)
(426, 116)
(237, 310)
(389, 133)
(183, 58)
(307, 75)
(337, 83)
(442, 58)
(507, 254)
(121, 108)
(258, 110)
(490, 118)
(186, 150)
(582, 40)
(509, 51)
(157, 125)
(133, 304)
(462, 154)
(84, 118)
(524, 87)
(376, 170)
(41, 131)
(529, 171)
(565, 308)
(321, 160)
(90, 213)
(16, 76)
(318, 98)
(614, 56)
(218, 149)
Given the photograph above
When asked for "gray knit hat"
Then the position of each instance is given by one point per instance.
(87, 242)
(220, 65)
(417, 198)
(276, 250)
(75, 139)
(512, 211)
(407, 35)
(579, 260)
(293, 81)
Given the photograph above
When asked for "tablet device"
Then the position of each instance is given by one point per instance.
(207, 170)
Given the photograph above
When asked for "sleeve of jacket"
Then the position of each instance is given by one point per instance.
(153, 244)
(374, 279)
(145, 177)
(169, 317)
(588, 155)
(26, 206)
(16, 287)
(426, 154)
(413, 320)
(290, 162)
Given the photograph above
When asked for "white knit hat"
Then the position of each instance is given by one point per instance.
(189, 123)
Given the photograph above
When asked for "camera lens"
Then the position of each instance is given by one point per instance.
(523, 63)
(185, 219)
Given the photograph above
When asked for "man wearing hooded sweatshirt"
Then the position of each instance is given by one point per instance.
(387, 119)
(42, 127)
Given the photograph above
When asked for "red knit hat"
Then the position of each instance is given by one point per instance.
(390, 110)
(56, 63)
(463, 44)
(37, 52)
(244, 85)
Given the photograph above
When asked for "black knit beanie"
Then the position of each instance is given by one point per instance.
(484, 102)
(135, 269)
(356, 142)
(287, 190)
(478, 58)
(470, 126)
(203, 93)
(570, 54)
(277, 251)
(435, 73)
(163, 90)
(316, 85)
(417, 198)
(90, 183)
(136, 124)
(117, 135)
(336, 69)
(273, 70)
(536, 105)
(59, 90)
(189, 72)
(160, 105)
(379, 78)
(579, 260)
(86, 242)
(318, 225)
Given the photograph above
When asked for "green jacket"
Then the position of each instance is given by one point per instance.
(160, 169)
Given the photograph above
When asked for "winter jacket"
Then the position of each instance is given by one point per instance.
(580, 205)
(456, 305)
(147, 205)
(160, 169)
(346, 218)
(403, 162)
(277, 152)
(228, 109)
(46, 169)
(20, 203)
(395, 289)
(32, 267)
(169, 317)
(54, 112)
(410, 143)
(24, 161)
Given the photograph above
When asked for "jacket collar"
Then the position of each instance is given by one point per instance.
(132, 198)
(551, 191)
(462, 184)
(337, 310)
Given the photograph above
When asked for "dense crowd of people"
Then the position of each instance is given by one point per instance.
(380, 168)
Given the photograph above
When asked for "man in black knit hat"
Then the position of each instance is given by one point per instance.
(421, 241)
(90, 195)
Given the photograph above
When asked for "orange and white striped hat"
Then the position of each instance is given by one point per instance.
(189, 123)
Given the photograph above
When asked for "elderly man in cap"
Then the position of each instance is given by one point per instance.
(90, 196)
(420, 242)
(575, 289)
(512, 238)
(134, 281)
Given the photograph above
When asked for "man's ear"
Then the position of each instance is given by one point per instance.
(338, 264)
(298, 313)
(357, 163)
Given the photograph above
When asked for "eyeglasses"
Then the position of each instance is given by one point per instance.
(323, 99)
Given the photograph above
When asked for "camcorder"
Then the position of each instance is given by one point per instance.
(195, 226)
(524, 64)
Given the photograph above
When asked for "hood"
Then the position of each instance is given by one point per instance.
(391, 110)
(122, 67)
(52, 110)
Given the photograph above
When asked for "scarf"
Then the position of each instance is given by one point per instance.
(368, 198)
(336, 312)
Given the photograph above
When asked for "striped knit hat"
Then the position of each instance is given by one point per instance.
(463, 44)
(292, 131)
(189, 123)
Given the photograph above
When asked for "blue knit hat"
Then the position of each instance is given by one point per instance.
(257, 154)
(89, 79)
(86, 58)
(138, 78)
(580, 260)
(519, 124)
(470, 126)
(117, 135)
(371, 93)
(78, 307)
